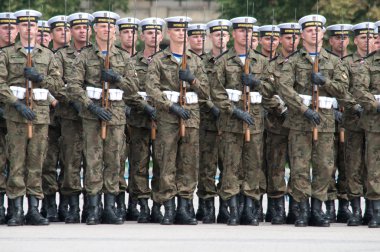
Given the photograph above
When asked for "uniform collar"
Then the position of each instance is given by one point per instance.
(140, 57)
(113, 50)
(169, 54)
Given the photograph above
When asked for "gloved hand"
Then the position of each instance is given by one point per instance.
(242, 115)
(1, 113)
(250, 80)
(151, 111)
(77, 106)
(318, 79)
(378, 108)
(179, 111)
(338, 116)
(358, 110)
(110, 76)
(128, 111)
(24, 110)
(100, 112)
(312, 116)
(31, 73)
(215, 111)
(186, 75)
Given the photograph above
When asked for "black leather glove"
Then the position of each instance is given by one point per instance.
(358, 110)
(151, 111)
(242, 115)
(312, 116)
(31, 73)
(378, 108)
(77, 106)
(338, 116)
(110, 76)
(250, 80)
(100, 112)
(179, 111)
(1, 113)
(318, 79)
(128, 111)
(186, 75)
(24, 110)
(215, 111)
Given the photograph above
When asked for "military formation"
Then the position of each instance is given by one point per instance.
(78, 100)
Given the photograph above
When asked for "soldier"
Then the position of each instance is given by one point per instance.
(140, 125)
(196, 34)
(377, 37)
(177, 155)
(295, 89)
(27, 125)
(103, 119)
(71, 142)
(354, 134)
(338, 40)
(128, 33)
(255, 37)
(8, 33)
(43, 35)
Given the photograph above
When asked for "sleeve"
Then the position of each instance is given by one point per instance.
(6, 95)
(200, 84)
(361, 84)
(53, 81)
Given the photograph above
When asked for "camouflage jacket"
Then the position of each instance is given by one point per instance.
(163, 76)
(86, 72)
(366, 86)
(13, 59)
(228, 75)
(295, 80)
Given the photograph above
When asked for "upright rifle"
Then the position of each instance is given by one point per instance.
(221, 37)
(153, 130)
(341, 108)
(29, 83)
(133, 32)
(88, 25)
(293, 38)
(246, 95)
(271, 38)
(182, 87)
(315, 98)
(105, 84)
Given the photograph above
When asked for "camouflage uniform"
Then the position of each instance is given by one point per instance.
(26, 166)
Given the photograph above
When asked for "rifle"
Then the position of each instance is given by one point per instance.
(133, 32)
(153, 130)
(29, 84)
(221, 37)
(341, 109)
(182, 87)
(105, 86)
(246, 95)
(315, 98)
(293, 37)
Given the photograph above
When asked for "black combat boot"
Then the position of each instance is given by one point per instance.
(223, 214)
(132, 212)
(375, 221)
(182, 216)
(317, 217)
(84, 208)
(190, 208)
(144, 216)
(302, 219)
(344, 213)
(293, 211)
(209, 217)
(201, 209)
(259, 209)
(168, 218)
(17, 213)
(2, 208)
(330, 214)
(270, 210)
(121, 209)
(279, 216)
(109, 212)
(51, 208)
(241, 202)
(156, 215)
(248, 217)
(368, 212)
(63, 207)
(92, 210)
(33, 217)
(9, 210)
(234, 211)
(73, 214)
(356, 218)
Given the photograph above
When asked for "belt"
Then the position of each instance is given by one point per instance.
(256, 97)
(39, 94)
(173, 96)
(96, 94)
(143, 95)
(377, 97)
(324, 101)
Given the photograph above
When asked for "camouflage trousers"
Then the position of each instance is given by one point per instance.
(50, 180)
(242, 165)
(209, 148)
(177, 159)
(102, 157)
(372, 161)
(276, 156)
(71, 155)
(3, 160)
(139, 158)
(354, 163)
(302, 152)
(124, 154)
(26, 158)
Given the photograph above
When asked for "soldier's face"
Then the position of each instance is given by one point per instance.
(101, 31)
(336, 43)
(148, 36)
(46, 38)
(265, 43)
(361, 42)
(23, 30)
(4, 34)
(79, 32)
(287, 42)
(176, 35)
(215, 38)
(254, 43)
(195, 42)
(58, 35)
(377, 43)
(309, 35)
(126, 37)
(240, 36)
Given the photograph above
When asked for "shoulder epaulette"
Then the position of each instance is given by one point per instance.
(330, 52)
(154, 54)
(191, 51)
(6, 46)
(220, 55)
(275, 57)
(372, 53)
(349, 55)
(259, 53)
(292, 54)
(121, 48)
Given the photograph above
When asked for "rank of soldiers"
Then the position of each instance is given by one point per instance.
(76, 111)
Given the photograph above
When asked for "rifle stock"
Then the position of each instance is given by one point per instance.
(246, 96)
(315, 87)
(105, 85)
(182, 88)
(29, 85)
